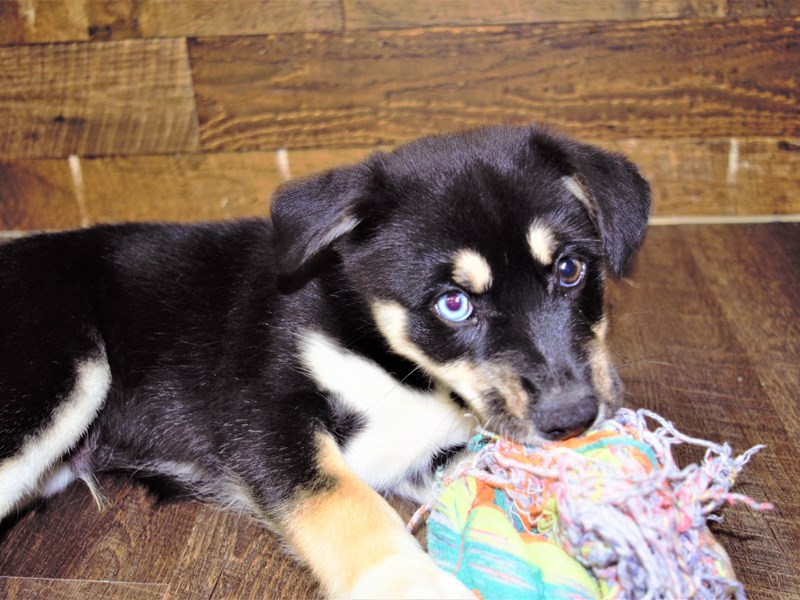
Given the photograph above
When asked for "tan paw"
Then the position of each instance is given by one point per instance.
(409, 576)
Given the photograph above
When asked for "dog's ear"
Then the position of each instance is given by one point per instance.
(617, 198)
(310, 214)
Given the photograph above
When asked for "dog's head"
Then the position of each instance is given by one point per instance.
(482, 258)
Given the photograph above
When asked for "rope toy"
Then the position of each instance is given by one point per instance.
(605, 515)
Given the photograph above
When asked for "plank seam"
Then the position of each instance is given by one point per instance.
(659, 221)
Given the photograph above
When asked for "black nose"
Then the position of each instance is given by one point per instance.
(565, 413)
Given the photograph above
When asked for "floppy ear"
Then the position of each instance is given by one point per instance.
(618, 199)
(312, 213)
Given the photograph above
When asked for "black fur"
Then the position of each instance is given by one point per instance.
(199, 322)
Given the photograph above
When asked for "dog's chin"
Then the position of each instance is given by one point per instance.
(517, 430)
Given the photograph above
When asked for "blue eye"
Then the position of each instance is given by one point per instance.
(454, 306)
(570, 271)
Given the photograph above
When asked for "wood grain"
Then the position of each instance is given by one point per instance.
(232, 556)
(760, 299)
(127, 97)
(690, 177)
(157, 18)
(710, 177)
(37, 21)
(721, 177)
(132, 540)
(188, 187)
(15, 588)
(389, 14)
(37, 194)
(772, 339)
(662, 79)
(82, 20)
(196, 187)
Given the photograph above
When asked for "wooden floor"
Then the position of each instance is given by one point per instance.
(707, 332)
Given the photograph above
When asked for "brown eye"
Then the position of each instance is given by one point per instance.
(570, 271)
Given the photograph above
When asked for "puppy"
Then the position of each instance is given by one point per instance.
(299, 367)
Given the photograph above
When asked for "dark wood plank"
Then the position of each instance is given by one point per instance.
(130, 541)
(129, 97)
(232, 556)
(766, 280)
(660, 79)
(15, 588)
(684, 356)
(37, 194)
(388, 14)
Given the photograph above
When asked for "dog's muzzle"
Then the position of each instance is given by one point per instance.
(565, 412)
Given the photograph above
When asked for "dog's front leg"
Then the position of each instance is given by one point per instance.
(356, 543)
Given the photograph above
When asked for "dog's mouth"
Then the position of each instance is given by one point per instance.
(493, 417)
(534, 408)
(575, 414)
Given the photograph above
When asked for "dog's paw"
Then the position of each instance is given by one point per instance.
(409, 576)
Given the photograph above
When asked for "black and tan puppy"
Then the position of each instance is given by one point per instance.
(292, 368)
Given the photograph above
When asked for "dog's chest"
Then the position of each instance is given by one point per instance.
(403, 428)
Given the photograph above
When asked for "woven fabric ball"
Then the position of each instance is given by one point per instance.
(605, 515)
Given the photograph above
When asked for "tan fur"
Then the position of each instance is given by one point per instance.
(600, 364)
(346, 529)
(471, 381)
(504, 379)
(542, 242)
(577, 190)
(471, 271)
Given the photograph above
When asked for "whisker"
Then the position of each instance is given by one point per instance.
(646, 361)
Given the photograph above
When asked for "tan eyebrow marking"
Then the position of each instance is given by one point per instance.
(472, 271)
(542, 242)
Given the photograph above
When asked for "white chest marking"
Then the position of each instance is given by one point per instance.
(404, 426)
